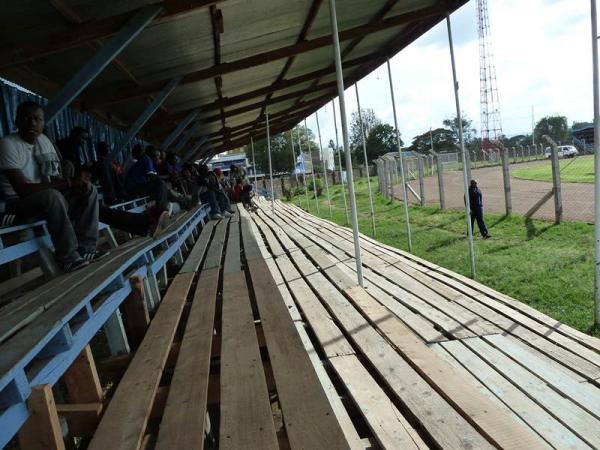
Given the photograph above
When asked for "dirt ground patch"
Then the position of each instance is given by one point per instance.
(578, 198)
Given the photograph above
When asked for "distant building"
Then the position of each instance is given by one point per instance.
(225, 161)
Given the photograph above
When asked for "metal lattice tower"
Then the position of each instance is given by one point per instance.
(491, 121)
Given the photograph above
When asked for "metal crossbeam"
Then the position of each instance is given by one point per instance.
(145, 116)
(177, 131)
(98, 63)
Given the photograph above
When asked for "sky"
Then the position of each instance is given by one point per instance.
(542, 51)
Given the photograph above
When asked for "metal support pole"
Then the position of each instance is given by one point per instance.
(253, 162)
(312, 169)
(402, 177)
(303, 169)
(462, 146)
(340, 86)
(339, 154)
(366, 159)
(98, 63)
(177, 131)
(145, 116)
(270, 164)
(596, 159)
(294, 155)
(324, 165)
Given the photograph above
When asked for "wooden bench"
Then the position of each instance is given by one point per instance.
(242, 376)
(471, 345)
(43, 333)
(20, 241)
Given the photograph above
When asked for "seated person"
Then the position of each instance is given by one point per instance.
(29, 177)
(70, 149)
(109, 176)
(211, 192)
(142, 179)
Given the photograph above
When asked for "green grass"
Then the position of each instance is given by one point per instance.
(548, 267)
(578, 170)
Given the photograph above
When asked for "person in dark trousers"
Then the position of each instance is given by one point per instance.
(31, 183)
(71, 149)
(476, 203)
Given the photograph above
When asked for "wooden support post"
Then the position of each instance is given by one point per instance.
(81, 379)
(440, 173)
(421, 179)
(558, 211)
(115, 334)
(110, 237)
(504, 154)
(42, 430)
(135, 311)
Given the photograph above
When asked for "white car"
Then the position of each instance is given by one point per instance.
(564, 151)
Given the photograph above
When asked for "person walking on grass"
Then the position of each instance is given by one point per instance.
(476, 203)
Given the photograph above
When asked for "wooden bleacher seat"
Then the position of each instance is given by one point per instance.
(226, 327)
(42, 333)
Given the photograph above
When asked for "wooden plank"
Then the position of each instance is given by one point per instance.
(81, 379)
(389, 427)
(213, 256)
(135, 312)
(445, 426)
(82, 418)
(246, 418)
(233, 253)
(500, 428)
(124, 422)
(16, 315)
(335, 401)
(9, 286)
(585, 395)
(42, 430)
(421, 326)
(308, 417)
(184, 416)
(562, 354)
(192, 263)
(584, 425)
(508, 396)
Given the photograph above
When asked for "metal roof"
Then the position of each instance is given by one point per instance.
(236, 57)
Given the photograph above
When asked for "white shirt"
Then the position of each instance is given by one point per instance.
(15, 153)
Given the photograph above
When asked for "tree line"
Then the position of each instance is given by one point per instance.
(380, 139)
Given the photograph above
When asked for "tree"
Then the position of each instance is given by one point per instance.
(381, 140)
(281, 150)
(580, 125)
(554, 126)
(370, 121)
(520, 139)
(469, 133)
(443, 141)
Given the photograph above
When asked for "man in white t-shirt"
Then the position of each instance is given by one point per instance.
(33, 191)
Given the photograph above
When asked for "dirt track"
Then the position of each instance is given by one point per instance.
(578, 198)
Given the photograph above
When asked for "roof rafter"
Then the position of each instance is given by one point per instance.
(89, 31)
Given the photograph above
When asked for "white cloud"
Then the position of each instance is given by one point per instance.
(542, 57)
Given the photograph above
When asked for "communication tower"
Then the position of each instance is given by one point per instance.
(491, 121)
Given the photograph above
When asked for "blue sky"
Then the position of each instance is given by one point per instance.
(542, 55)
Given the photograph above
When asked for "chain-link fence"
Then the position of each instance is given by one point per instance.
(523, 180)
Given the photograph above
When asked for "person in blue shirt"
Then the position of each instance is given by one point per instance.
(476, 203)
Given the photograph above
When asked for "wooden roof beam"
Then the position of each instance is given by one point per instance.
(85, 32)
(127, 92)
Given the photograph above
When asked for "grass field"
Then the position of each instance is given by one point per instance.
(546, 266)
(577, 170)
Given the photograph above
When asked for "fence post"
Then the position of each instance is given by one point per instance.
(504, 154)
(440, 171)
(421, 166)
(555, 181)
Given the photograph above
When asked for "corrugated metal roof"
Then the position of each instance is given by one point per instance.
(275, 52)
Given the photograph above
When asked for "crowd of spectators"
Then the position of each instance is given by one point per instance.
(41, 180)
